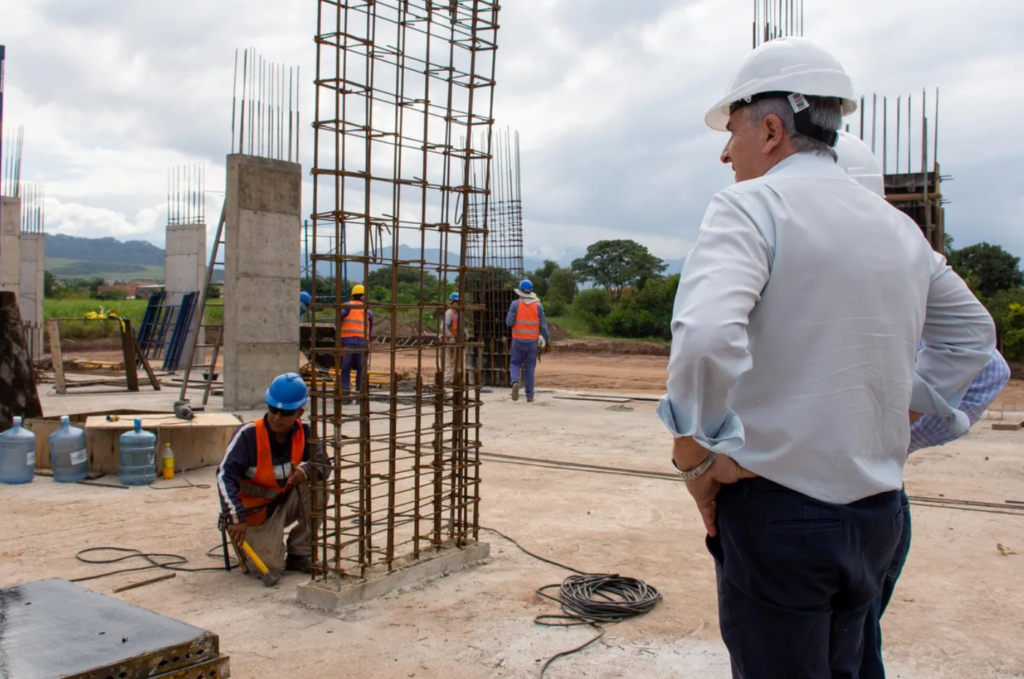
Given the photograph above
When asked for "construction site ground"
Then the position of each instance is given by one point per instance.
(957, 612)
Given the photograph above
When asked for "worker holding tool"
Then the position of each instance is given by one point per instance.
(263, 481)
(356, 329)
(529, 327)
(795, 373)
(859, 163)
(452, 330)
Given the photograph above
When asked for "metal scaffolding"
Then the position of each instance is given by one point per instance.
(502, 257)
(914, 185)
(404, 94)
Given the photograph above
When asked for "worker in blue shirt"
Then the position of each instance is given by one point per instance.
(794, 372)
(356, 329)
(861, 165)
(529, 330)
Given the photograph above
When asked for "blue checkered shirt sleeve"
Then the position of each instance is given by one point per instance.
(933, 430)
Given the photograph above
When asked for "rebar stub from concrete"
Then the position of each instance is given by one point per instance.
(337, 594)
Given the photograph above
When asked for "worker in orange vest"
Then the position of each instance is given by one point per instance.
(529, 325)
(262, 480)
(356, 328)
(452, 331)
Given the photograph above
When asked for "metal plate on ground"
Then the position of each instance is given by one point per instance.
(54, 629)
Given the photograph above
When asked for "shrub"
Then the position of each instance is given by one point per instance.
(555, 306)
(594, 302)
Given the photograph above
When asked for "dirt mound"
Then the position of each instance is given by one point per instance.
(556, 333)
(596, 345)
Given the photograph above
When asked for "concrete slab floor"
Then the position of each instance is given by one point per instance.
(957, 611)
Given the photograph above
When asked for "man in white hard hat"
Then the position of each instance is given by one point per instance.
(792, 381)
(861, 165)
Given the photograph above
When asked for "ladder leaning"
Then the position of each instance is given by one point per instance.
(201, 341)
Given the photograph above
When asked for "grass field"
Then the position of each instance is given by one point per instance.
(576, 328)
(132, 309)
(69, 269)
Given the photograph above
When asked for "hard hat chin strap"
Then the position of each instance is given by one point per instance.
(801, 115)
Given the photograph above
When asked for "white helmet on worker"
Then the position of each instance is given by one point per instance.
(856, 158)
(787, 68)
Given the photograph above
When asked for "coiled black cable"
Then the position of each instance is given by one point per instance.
(169, 562)
(593, 599)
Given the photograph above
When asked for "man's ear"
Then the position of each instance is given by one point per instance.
(299, 413)
(774, 132)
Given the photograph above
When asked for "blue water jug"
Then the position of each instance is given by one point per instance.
(68, 456)
(138, 456)
(17, 454)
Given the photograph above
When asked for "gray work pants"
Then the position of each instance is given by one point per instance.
(267, 540)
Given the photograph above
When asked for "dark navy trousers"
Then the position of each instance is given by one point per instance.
(797, 577)
(872, 666)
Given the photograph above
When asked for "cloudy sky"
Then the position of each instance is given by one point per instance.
(608, 97)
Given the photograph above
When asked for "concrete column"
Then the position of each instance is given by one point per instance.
(261, 276)
(185, 272)
(30, 297)
(10, 244)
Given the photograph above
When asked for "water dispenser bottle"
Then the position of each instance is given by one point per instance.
(138, 456)
(17, 454)
(68, 456)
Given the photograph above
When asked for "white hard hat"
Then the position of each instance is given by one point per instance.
(784, 66)
(856, 158)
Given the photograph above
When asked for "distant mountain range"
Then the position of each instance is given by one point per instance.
(75, 257)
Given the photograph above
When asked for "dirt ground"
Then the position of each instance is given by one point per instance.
(957, 613)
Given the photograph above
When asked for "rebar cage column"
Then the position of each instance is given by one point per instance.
(404, 95)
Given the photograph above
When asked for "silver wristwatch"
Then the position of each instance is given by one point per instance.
(698, 471)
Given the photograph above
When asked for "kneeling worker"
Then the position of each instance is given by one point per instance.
(262, 480)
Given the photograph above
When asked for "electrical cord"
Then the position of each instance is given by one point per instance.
(591, 599)
(170, 562)
(187, 484)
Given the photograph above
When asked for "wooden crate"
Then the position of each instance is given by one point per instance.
(42, 427)
(196, 443)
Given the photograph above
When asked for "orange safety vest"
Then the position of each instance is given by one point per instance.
(265, 476)
(527, 325)
(455, 327)
(354, 324)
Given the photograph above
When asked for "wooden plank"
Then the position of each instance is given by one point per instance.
(128, 347)
(1012, 425)
(153, 381)
(53, 328)
(196, 443)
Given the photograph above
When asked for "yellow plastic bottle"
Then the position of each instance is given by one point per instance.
(168, 462)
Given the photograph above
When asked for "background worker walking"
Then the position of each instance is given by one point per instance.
(356, 328)
(262, 480)
(529, 325)
(861, 165)
(453, 331)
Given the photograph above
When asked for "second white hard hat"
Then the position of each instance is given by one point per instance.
(790, 65)
(856, 158)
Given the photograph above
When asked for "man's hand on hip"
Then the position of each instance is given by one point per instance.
(688, 454)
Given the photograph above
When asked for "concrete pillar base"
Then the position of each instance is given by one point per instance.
(10, 244)
(429, 566)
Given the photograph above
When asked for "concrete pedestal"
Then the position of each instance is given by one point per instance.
(261, 276)
(185, 272)
(30, 297)
(10, 244)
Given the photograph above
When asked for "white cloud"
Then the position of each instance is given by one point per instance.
(608, 97)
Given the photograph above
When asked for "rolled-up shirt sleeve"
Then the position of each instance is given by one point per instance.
(721, 283)
(958, 339)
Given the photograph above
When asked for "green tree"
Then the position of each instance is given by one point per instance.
(541, 277)
(562, 285)
(617, 264)
(94, 284)
(49, 284)
(993, 268)
(647, 312)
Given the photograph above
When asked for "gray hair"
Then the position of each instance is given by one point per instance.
(826, 112)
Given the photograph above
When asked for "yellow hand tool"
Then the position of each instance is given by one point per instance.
(270, 578)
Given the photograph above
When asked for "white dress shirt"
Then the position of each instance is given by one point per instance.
(795, 333)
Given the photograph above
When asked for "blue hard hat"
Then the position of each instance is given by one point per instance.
(305, 298)
(287, 392)
(526, 286)
(454, 297)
